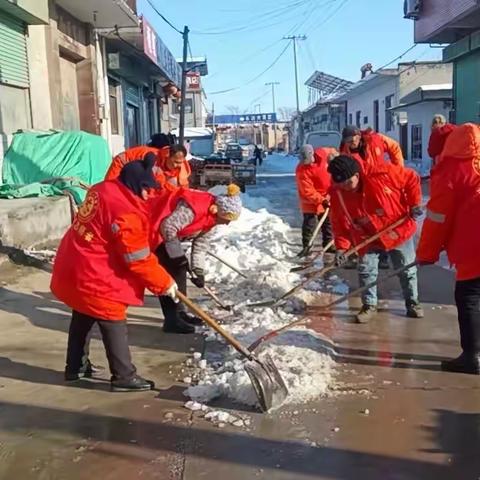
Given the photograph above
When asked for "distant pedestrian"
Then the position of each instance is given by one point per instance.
(440, 132)
(365, 199)
(452, 224)
(258, 154)
(313, 184)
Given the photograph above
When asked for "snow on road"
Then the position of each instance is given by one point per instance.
(257, 245)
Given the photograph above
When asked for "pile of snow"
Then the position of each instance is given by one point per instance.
(258, 245)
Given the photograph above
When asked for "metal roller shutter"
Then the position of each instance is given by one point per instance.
(13, 51)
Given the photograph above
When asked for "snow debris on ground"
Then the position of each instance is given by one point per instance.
(257, 244)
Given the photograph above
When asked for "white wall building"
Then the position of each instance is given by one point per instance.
(375, 102)
(418, 108)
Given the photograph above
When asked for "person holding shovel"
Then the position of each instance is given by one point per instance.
(189, 215)
(103, 265)
(365, 199)
(452, 225)
(313, 183)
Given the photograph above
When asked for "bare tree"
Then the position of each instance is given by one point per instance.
(286, 113)
(233, 109)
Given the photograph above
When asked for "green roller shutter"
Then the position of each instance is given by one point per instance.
(13, 51)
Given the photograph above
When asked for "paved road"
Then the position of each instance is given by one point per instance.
(421, 423)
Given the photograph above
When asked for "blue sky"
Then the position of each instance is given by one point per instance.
(342, 35)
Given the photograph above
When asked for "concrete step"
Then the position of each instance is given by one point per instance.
(28, 222)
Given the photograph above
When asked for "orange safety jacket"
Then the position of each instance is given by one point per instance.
(170, 179)
(313, 182)
(104, 262)
(376, 146)
(454, 206)
(387, 193)
(200, 202)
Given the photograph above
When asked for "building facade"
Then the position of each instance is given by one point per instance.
(457, 23)
(67, 66)
(389, 100)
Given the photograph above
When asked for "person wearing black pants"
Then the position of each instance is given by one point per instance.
(177, 320)
(310, 221)
(115, 340)
(467, 298)
(451, 224)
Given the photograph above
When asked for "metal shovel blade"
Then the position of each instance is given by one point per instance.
(267, 382)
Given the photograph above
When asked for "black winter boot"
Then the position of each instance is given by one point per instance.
(173, 322)
(135, 384)
(465, 363)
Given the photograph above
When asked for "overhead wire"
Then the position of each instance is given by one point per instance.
(257, 21)
(165, 19)
(254, 79)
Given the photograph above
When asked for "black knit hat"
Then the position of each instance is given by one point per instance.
(342, 168)
(159, 140)
(138, 175)
(350, 131)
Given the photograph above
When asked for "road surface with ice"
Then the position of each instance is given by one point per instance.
(366, 401)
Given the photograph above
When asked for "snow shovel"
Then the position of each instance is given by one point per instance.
(310, 262)
(320, 223)
(215, 298)
(230, 266)
(323, 271)
(266, 380)
(275, 333)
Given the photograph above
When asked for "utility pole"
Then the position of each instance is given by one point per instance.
(295, 39)
(273, 84)
(181, 136)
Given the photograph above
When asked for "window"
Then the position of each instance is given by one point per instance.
(133, 125)
(350, 119)
(388, 113)
(417, 147)
(376, 115)
(358, 116)
(113, 95)
(365, 120)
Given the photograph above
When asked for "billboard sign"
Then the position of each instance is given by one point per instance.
(244, 119)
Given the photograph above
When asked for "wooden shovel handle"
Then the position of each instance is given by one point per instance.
(318, 227)
(213, 324)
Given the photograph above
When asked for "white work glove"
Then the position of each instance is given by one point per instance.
(172, 292)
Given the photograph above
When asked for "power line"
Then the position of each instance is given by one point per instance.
(164, 18)
(399, 57)
(256, 77)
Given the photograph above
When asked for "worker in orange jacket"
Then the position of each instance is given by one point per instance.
(188, 215)
(370, 147)
(313, 183)
(172, 170)
(365, 199)
(103, 265)
(452, 225)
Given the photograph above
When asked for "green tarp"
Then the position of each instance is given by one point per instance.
(47, 163)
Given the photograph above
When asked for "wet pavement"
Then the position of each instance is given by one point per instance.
(393, 416)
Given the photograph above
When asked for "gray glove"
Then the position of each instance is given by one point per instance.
(340, 258)
(416, 212)
(198, 277)
(175, 252)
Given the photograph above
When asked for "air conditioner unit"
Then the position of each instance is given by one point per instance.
(412, 9)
